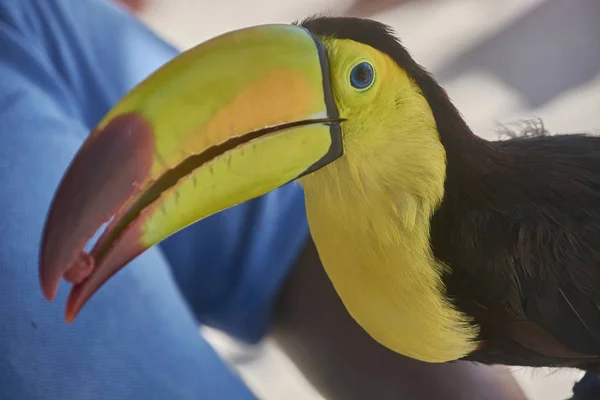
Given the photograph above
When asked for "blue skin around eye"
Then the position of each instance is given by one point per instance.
(63, 64)
(356, 79)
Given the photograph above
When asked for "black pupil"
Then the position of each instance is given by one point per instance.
(362, 75)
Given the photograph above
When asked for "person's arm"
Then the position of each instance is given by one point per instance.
(343, 362)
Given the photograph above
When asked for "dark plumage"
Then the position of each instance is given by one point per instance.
(519, 227)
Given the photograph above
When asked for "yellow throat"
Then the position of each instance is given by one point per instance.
(376, 252)
(369, 214)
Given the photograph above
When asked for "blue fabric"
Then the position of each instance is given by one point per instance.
(588, 388)
(63, 63)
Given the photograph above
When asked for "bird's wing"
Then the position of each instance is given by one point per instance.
(528, 240)
(566, 313)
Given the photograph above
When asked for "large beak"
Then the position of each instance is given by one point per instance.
(223, 123)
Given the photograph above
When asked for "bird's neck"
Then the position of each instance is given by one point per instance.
(374, 243)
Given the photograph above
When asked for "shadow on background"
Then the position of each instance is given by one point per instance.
(551, 49)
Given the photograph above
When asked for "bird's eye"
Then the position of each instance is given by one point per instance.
(362, 75)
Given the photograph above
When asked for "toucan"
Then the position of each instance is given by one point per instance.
(441, 245)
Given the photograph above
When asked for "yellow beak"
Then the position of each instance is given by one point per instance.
(223, 123)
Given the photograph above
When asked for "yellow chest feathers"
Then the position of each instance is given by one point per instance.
(374, 245)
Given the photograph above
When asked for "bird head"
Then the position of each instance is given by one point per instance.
(333, 102)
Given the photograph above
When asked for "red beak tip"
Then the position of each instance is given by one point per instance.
(50, 296)
(80, 208)
(74, 304)
(70, 312)
(49, 289)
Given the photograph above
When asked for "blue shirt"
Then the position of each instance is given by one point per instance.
(63, 64)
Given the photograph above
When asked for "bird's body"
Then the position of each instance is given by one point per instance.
(485, 250)
(441, 245)
(524, 248)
